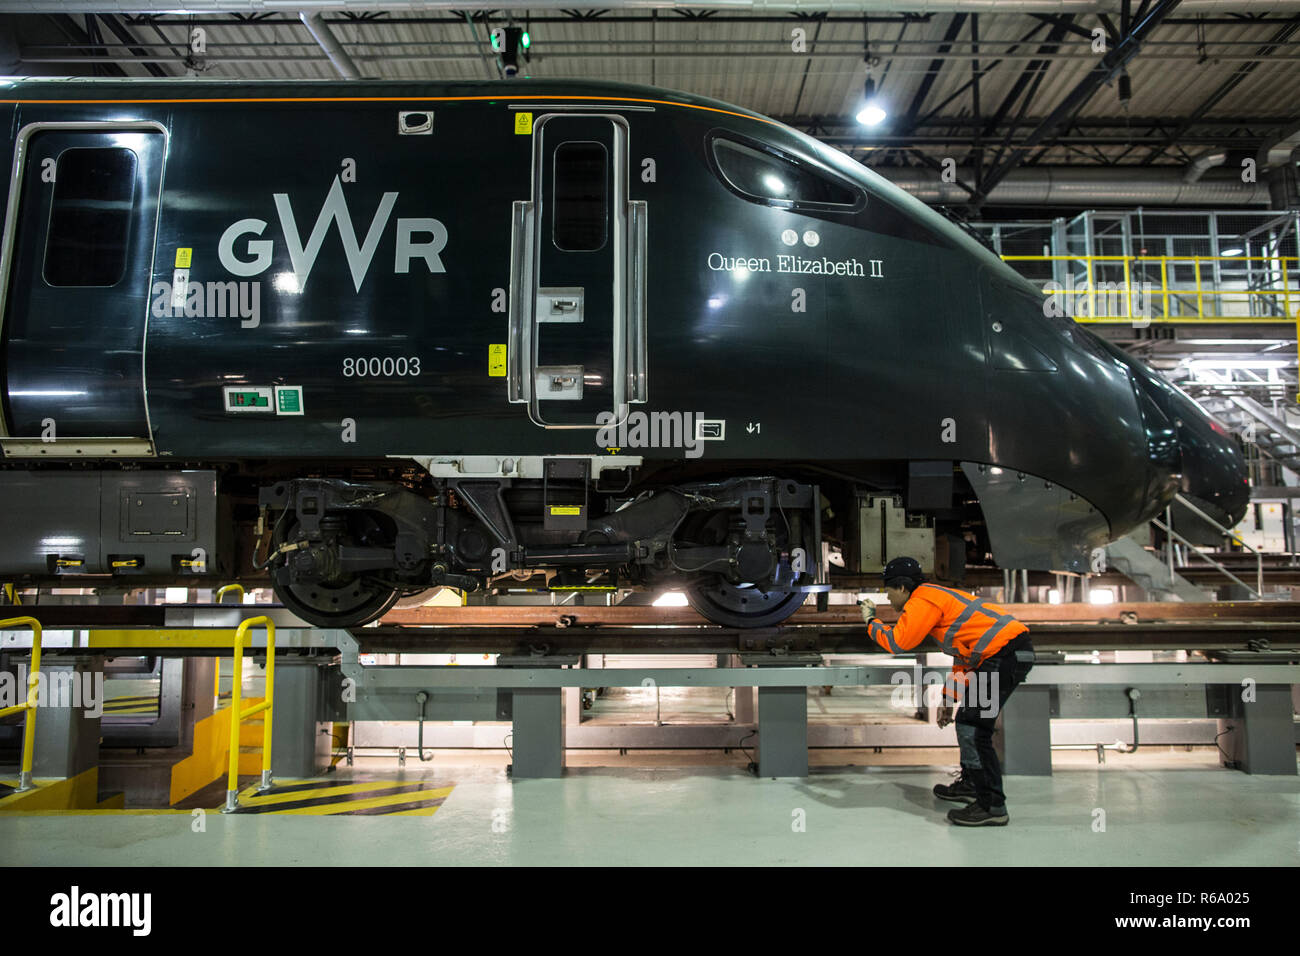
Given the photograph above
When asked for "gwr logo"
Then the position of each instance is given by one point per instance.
(302, 255)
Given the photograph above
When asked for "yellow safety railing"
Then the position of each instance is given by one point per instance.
(1148, 289)
(237, 715)
(28, 706)
(222, 592)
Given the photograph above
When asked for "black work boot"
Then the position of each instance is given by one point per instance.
(977, 816)
(960, 790)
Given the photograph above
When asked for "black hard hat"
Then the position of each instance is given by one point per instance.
(908, 568)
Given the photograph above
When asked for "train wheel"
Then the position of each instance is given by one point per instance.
(352, 605)
(734, 606)
(349, 603)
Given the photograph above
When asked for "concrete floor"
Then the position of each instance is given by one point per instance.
(1162, 808)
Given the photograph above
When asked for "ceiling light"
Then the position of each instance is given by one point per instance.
(872, 112)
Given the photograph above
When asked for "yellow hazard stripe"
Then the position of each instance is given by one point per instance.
(254, 799)
(351, 806)
(416, 811)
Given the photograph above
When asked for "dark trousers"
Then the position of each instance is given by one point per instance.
(975, 720)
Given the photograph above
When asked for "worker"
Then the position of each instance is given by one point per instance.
(983, 640)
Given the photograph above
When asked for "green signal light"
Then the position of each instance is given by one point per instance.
(496, 41)
(525, 40)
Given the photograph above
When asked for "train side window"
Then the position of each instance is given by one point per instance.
(90, 216)
(765, 177)
(581, 170)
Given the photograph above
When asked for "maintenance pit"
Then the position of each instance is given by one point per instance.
(535, 748)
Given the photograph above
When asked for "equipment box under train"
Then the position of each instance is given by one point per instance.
(109, 522)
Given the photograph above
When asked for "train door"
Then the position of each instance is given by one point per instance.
(577, 301)
(75, 286)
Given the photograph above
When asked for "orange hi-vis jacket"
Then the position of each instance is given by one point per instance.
(966, 627)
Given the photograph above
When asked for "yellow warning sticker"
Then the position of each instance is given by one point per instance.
(496, 361)
(183, 257)
(524, 124)
(566, 510)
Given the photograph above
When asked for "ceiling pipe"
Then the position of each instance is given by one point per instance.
(1202, 164)
(322, 34)
(1085, 186)
(802, 6)
(1281, 150)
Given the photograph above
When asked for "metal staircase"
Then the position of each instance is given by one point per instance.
(1270, 433)
(1130, 558)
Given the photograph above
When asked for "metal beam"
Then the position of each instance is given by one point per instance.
(1032, 71)
(962, 89)
(693, 9)
(125, 35)
(932, 72)
(1065, 23)
(81, 35)
(1110, 64)
(1036, 71)
(1226, 87)
(436, 17)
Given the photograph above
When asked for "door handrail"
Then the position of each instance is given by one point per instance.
(637, 250)
(216, 599)
(237, 715)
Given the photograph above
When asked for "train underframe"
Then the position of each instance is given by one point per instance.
(342, 546)
(745, 549)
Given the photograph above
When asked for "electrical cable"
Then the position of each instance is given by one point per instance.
(1133, 695)
(752, 766)
(1228, 761)
(274, 533)
(422, 698)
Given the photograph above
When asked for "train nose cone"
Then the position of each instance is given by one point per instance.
(1191, 453)
(1214, 470)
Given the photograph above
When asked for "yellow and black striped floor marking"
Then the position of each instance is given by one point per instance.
(143, 704)
(346, 798)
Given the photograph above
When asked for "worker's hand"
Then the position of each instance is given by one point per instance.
(945, 716)
(868, 610)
